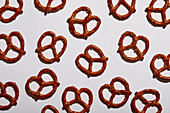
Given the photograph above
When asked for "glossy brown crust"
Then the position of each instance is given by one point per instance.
(12, 100)
(157, 72)
(161, 11)
(38, 79)
(147, 103)
(47, 9)
(6, 7)
(40, 49)
(89, 72)
(109, 103)
(10, 46)
(50, 107)
(133, 45)
(113, 10)
(72, 20)
(78, 100)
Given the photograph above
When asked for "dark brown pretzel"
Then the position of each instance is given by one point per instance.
(50, 107)
(147, 103)
(113, 10)
(133, 45)
(6, 7)
(38, 79)
(162, 11)
(66, 104)
(47, 9)
(40, 49)
(72, 20)
(109, 103)
(10, 46)
(157, 72)
(3, 93)
(90, 60)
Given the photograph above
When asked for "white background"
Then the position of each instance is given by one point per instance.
(32, 23)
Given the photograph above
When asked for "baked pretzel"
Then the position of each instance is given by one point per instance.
(40, 49)
(161, 11)
(3, 93)
(50, 107)
(72, 20)
(113, 9)
(10, 46)
(109, 103)
(89, 72)
(147, 103)
(38, 79)
(157, 72)
(6, 7)
(47, 9)
(78, 100)
(133, 45)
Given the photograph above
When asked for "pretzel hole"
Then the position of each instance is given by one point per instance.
(156, 16)
(10, 91)
(159, 63)
(106, 94)
(119, 86)
(141, 45)
(76, 107)
(127, 41)
(79, 28)
(84, 63)
(47, 78)
(149, 97)
(48, 53)
(115, 2)
(93, 53)
(43, 2)
(55, 3)
(96, 66)
(130, 53)
(34, 86)
(46, 90)
(91, 25)
(118, 99)
(152, 110)
(167, 12)
(7, 14)
(48, 111)
(2, 3)
(81, 15)
(84, 97)
(3, 45)
(139, 105)
(166, 73)
(13, 3)
(15, 41)
(70, 96)
(159, 4)
(46, 41)
(4, 101)
(129, 1)
(59, 45)
(122, 10)
(12, 54)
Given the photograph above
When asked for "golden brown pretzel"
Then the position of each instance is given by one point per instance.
(40, 49)
(38, 79)
(10, 46)
(78, 100)
(133, 45)
(12, 100)
(6, 7)
(161, 11)
(47, 9)
(50, 107)
(113, 10)
(147, 103)
(89, 72)
(109, 103)
(72, 20)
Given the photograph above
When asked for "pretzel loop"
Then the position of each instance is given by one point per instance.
(50, 107)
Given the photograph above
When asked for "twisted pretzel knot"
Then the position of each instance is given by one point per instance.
(133, 45)
(162, 11)
(109, 103)
(38, 79)
(113, 10)
(66, 104)
(3, 93)
(6, 7)
(50, 107)
(10, 46)
(157, 72)
(151, 103)
(47, 9)
(89, 72)
(72, 20)
(40, 49)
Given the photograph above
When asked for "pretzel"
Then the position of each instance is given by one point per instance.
(10, 46)
(50, 107)
(47, 9)
(161, 11)
(78, 100)
(147, 103)
(89, 72)
(113, 10)
(72, 20)
(38, 79)
(157, 72)
(6, 7)
(40, 49)
(133, 45)
(3, 93)
(109, 103)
